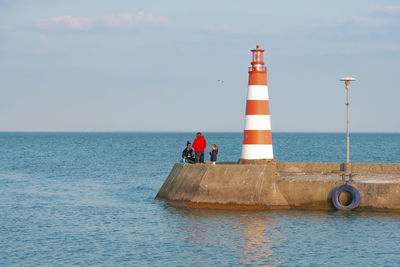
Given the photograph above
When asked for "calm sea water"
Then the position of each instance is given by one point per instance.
(87, 199)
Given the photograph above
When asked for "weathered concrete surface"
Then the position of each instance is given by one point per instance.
(235, 185)
(296, 185)
(238, 184)
(314, 191)
(328, 167)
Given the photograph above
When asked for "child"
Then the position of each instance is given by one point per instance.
(213, 153)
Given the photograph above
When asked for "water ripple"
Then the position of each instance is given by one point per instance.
(87, 199)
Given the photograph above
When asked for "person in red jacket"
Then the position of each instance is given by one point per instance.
(199, 144)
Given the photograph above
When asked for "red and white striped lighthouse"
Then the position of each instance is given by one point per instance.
(257, 140)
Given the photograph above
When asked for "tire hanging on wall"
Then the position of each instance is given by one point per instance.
(355, 197)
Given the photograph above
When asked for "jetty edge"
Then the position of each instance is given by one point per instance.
(279, 185)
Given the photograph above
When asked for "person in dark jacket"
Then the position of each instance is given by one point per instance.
(213, 153)
(188, 153)
(199, 144)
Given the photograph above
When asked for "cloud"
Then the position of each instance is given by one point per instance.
(43, 39)
(372, 21)
(132, 21)
(379, 17)
(391, 10)
(110, 21)
(220, 28)
(5, 28)
(66, 22)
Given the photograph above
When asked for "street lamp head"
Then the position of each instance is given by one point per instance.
(347, 81)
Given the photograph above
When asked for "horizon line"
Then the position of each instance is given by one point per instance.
(190, 132)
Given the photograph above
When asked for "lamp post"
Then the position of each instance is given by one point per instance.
(347, 81)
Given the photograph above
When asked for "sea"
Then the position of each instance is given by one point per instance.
(87, 199)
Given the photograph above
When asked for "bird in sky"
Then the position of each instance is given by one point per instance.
(220, 81)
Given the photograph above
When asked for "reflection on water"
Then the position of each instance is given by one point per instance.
(287, 237)
(256, 242)
(250, 235)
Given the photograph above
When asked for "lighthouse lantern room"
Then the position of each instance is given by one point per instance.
(258, 60)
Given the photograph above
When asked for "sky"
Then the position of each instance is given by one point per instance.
(96, 65)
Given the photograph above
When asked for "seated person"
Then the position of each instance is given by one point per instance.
(188, 153)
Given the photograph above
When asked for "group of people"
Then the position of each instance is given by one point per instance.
(197, 156)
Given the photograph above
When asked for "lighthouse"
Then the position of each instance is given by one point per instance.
(257, 140)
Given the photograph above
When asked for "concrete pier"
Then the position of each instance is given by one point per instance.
(282, 185)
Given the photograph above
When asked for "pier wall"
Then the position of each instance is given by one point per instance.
(330, 167)
(287, 185)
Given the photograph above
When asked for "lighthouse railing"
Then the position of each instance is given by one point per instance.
(261, 68)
